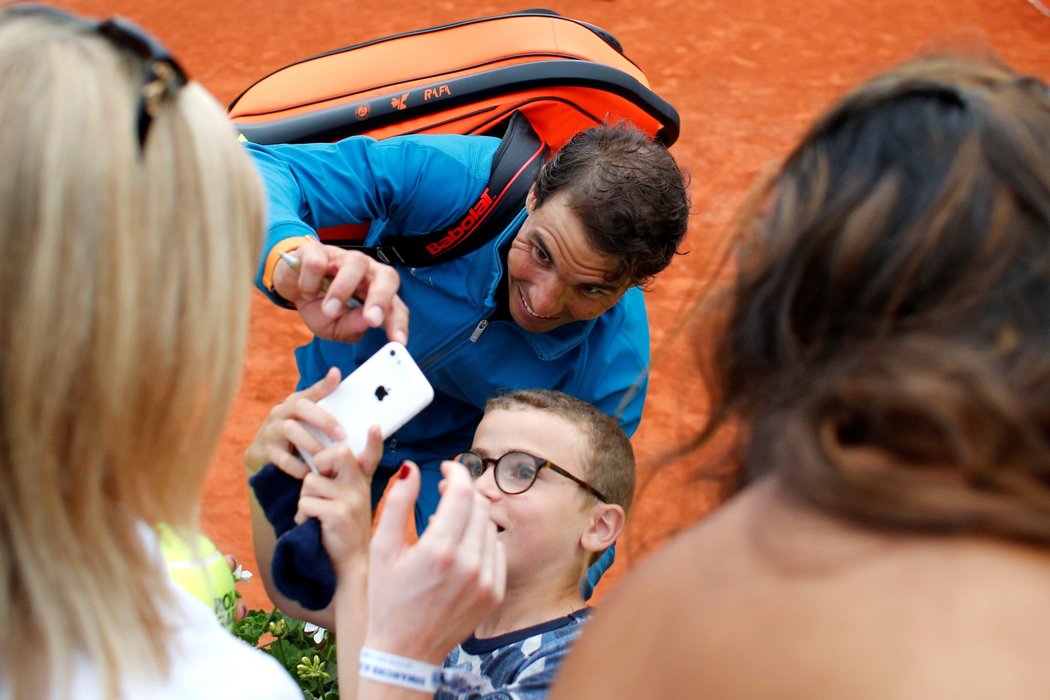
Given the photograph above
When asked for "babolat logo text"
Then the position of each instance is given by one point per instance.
(467, 224)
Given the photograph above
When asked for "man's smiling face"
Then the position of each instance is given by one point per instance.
(554, 274)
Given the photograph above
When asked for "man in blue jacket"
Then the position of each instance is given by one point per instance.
(554, 301)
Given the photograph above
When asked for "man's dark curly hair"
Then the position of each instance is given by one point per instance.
(627, 190)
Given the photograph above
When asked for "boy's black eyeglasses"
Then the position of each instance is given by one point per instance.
(164, 75)
(516, 472)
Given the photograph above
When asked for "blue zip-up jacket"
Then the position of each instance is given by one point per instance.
(420, 184)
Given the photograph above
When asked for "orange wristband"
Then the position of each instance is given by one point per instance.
(274, 257)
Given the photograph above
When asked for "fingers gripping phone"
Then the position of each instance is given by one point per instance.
(387, 390)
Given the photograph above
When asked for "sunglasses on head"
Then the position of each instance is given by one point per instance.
(164, 75)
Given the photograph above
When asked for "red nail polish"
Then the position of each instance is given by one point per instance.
(405, 471)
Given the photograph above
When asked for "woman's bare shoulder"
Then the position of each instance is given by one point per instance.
(643, 636)
(768, 598)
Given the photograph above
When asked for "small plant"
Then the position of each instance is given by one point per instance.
(304, 649)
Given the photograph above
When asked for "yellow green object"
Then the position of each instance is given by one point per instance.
(201, 570)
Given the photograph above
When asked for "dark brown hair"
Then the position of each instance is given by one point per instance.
(887, 351)
(627, 190)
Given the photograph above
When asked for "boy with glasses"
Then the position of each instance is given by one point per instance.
(557, 478)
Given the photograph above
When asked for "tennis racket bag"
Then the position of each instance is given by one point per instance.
(533, 78)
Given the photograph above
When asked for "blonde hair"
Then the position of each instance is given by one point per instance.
(125, 280)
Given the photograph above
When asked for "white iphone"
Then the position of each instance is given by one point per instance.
(387, 390)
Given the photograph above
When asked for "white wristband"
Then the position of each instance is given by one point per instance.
(399, 670)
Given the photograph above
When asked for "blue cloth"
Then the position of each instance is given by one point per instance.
(596, 571)
(278, 495)
(518, 665)
(300, 568)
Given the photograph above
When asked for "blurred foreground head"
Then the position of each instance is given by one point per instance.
(888, 348)
(129, 221)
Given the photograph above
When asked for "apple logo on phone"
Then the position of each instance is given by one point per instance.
(381, 392)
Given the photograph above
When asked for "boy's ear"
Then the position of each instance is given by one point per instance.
(606, 523)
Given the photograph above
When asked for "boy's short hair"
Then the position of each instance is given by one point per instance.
(606, 453)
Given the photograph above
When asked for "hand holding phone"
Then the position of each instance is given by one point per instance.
(387, 390)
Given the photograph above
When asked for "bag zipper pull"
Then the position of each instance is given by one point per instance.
(482, 325)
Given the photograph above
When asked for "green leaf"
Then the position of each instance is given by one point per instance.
(253, 626)
(291, 647)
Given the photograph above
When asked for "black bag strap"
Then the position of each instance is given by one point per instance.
(515, 164)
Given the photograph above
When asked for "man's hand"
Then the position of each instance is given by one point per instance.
(350, 274)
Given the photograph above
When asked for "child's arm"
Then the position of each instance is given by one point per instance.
(340, 497)
(279, 441)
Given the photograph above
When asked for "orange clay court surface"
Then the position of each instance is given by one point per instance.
(746, 76)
